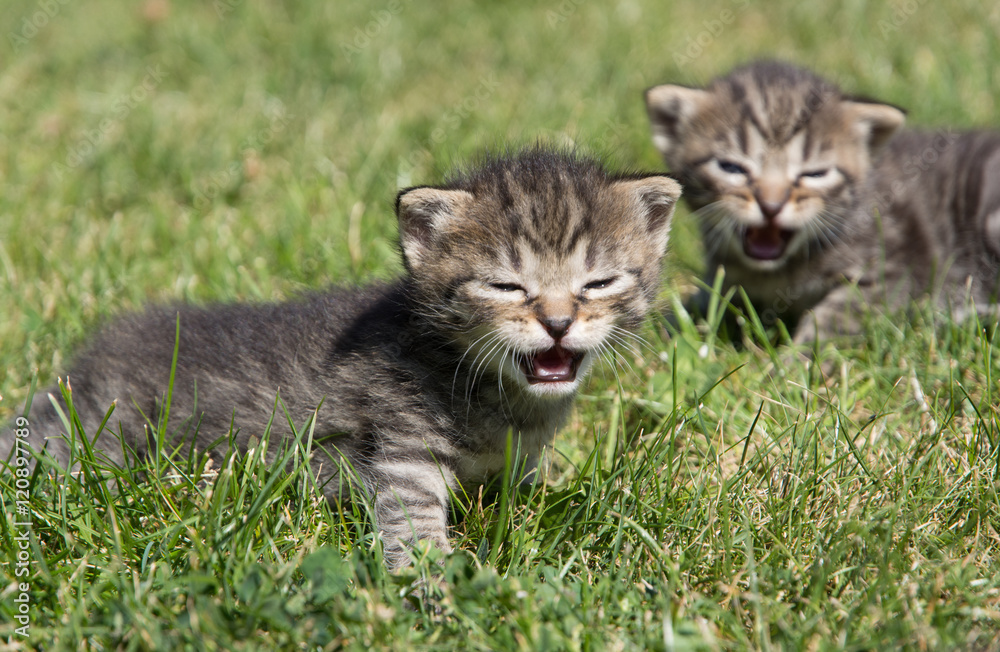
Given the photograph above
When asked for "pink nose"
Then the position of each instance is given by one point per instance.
(770, 209)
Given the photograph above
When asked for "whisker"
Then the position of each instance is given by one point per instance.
(458, 366)
(493, 335)
(484, 366)
(610, 355)
(482, 356)
(505, 354)
(617, 356)
(628, 337)
(721, 226)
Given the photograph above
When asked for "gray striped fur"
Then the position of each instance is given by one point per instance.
(418, 381)
(929, 201)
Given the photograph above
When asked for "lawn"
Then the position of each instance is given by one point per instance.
(705, 496)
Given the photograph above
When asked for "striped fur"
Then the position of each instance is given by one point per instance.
(519, 274)
(799, 189)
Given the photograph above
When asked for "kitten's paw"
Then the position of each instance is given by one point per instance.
(427, 594)
(424, 587)
(806, 333)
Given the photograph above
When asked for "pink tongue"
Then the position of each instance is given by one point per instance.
(764, 242)
(553, 364)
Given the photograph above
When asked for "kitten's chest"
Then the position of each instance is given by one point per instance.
(793, 289)
(486, 454)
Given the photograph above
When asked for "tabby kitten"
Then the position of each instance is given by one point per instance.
(518, 275)
(800, 190)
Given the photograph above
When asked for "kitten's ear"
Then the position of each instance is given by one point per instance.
(876, 122)
(423, 213)
(654, 198)
(670, 108)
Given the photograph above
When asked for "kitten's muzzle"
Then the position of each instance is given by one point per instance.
(555, 365)
(767, 242)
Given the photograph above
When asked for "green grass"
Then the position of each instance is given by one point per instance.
(715, 498)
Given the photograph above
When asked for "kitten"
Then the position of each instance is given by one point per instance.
(800, 190)
(518, 274)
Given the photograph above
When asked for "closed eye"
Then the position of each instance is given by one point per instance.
(730, 167)
(601, 284)
(816, 174)
(507, 287)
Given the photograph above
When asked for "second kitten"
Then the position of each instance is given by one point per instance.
(802, 191)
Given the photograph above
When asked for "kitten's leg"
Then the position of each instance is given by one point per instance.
(842, 309)
(839, 313)
(411, 504)
(529, 470)
(991, 227)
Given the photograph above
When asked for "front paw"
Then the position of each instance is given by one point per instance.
(399, 554)
(807, 332)
(421, 579)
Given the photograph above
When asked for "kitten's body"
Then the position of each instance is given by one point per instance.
(518, 274)
(803, 191)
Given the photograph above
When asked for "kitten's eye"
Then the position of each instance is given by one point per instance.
(601, 284)
(507, 287)
(816, 174)
(731, 168)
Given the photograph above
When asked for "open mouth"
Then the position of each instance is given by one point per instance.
(766, 242)
(555, 365)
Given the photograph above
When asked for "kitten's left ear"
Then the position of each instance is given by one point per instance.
(877, 122)
(671, 107)
(654, 198)
(423, 214)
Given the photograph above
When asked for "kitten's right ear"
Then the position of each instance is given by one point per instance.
(876, 122)
(653, 198)
(423, 214)
(670, 108)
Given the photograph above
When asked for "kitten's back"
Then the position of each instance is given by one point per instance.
(940, 194)
(231, 360)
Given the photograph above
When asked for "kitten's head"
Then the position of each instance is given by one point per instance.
(536, 261)
(771, 156)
